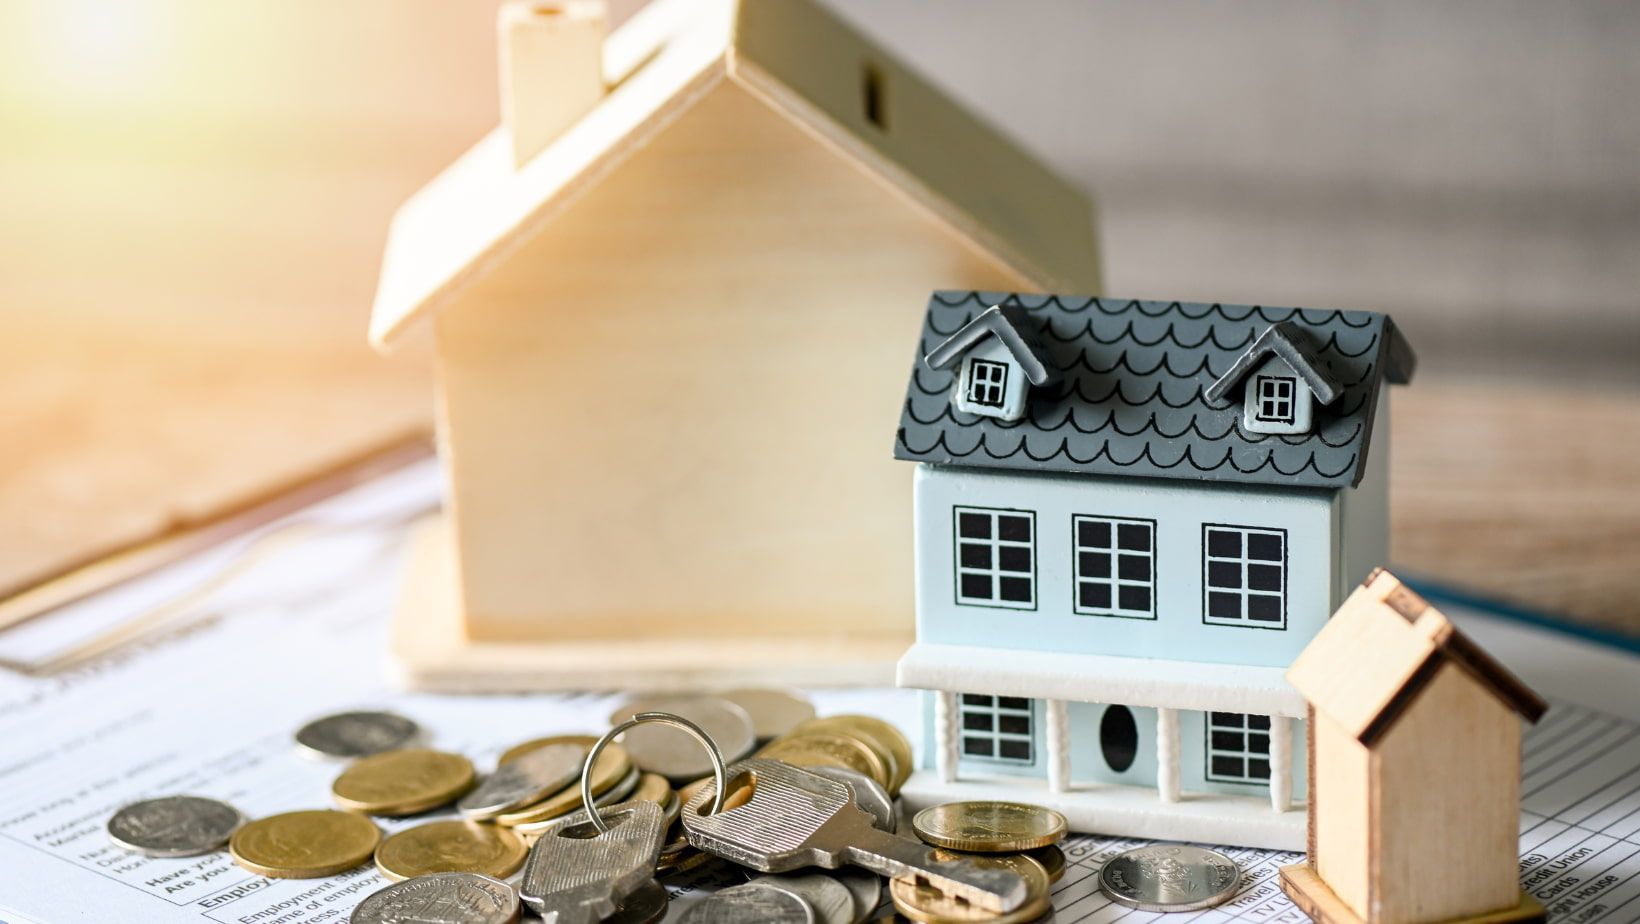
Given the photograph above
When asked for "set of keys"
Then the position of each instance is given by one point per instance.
(793, 818)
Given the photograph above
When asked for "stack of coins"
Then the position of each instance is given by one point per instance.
(859, 743)
(1014, 836)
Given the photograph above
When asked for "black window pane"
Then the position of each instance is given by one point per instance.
(1134, 567)
(974, 526)
(1227, 766)
(1264, 577)
(1223, 543)
(976, 586)
(1014, 724)
(1227, 719)
(1226, 574)
(1016, 590)
(1118, 737)
(1016, 750)
(1134, 536)
(1014, 558)
(1014, 528)
(1264, 546)
(1258, 743)
(975, 699)
(1013, 702)
(1094, 534)
(1258, 722)
(1258, 769)
(1094, 596)
(976, 556)
(1228, 741)
(976, 721)
(1134, 598)
(1223, 606)
(1093, 564)
(978, 747)
(1264, 609)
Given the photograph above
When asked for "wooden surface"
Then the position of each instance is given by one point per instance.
(190, 229)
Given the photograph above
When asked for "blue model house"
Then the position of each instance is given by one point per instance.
(1130, 518)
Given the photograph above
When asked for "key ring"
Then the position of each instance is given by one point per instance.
(644, 718)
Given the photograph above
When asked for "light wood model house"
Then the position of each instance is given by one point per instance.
(670, 298)
(1414, 753)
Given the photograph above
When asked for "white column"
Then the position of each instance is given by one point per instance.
(1281, 760)
(1167, 754)
(1059, 745)
(946, 744)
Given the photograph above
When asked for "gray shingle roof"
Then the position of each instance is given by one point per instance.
(1131, 399)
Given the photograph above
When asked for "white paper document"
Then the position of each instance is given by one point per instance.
(209, 705)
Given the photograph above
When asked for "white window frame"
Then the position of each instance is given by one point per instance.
(1269, 403)
(1253, 730)
(996, 545)
(1112, 556)
(992, 708)
(995, 379)
(1243, 566)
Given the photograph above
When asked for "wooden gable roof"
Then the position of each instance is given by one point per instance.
(1381, 648)
(803, 63)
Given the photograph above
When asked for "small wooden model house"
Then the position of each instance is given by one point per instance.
(1414, 751)
(669, 299)
(1130, 517)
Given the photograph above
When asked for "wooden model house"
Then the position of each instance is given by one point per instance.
(669, 298)
(1414, 751)
(1130, 518)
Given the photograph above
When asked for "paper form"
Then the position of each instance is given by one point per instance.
(209, 707)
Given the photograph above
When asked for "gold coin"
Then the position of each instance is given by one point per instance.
(304, 845)
(612, 768)
(403, 782)
(1052, 860)
(920, 900)
(889, 742)
(451, 847)
(805, 749)
(989, 827)
(535, 744)
(652, 787)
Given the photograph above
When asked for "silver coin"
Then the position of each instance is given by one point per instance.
(356, 734)
(1169, 877)
(676, 755)
(773, 712)
(831, 901)
(750, 904)
(527, 779)
(644, 906)
(440, 898)
(865, 886)
(869, 795)
(174, 826)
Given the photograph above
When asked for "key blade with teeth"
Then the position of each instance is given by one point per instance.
(575, 875)
(796, 818)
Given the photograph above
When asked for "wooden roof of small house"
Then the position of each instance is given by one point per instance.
(1132, 391)
(1381, 648)
(806, 65)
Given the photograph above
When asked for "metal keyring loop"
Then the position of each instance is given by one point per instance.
(719, 773)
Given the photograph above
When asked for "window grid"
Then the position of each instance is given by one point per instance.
(1115, 566)
(1244, 576)
(997, 728)
(996, 557)
(1238, 748)
(1275, 399)
(987, 382)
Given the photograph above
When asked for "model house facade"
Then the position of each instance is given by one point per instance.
(1130, 518)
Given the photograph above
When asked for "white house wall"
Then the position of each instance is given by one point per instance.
(1179, 509)
(1363, 520)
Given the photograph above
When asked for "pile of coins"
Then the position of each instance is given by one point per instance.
(454, 868)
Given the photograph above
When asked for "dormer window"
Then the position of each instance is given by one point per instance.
(987, 382)
(1275, 399)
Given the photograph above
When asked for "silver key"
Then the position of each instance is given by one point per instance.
(796, 818)
(577, 876)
